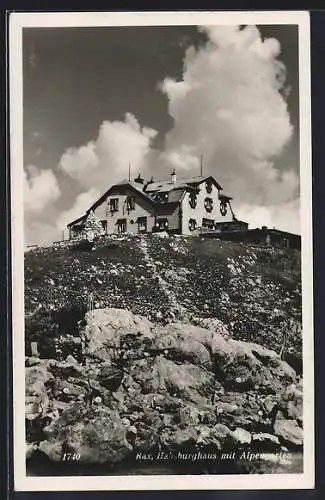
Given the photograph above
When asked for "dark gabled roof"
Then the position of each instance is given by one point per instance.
(133, 186)
(174, 195)
(80, 219)
(188, 182)
(224, 196)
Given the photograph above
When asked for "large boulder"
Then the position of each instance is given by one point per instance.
(110, 333)
(183, 342)
(193, 343)
(105, 329)
(186, 381)
(237, 365)
(254, 366)
(96, 433)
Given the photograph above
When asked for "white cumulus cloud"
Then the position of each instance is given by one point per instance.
(106, 160)
(79, 207)
(40, 188)
(230, 106)
(284, 216)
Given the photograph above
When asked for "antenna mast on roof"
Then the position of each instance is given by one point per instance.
(129, 171)
(201, 165)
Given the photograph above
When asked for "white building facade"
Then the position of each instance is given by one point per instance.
(177, 206)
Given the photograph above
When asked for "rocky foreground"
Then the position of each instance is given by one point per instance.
(137, 391)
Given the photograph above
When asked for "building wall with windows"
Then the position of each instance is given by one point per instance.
(168, 218)
(125, 213)
(186, 206)
(203, 211)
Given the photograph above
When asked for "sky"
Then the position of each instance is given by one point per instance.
(97, 99)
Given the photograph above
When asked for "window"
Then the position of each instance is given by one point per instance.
(208, 223)
(142, 224)
(104, 224)
(113, 205)
(162, 224)
(192, 224)
(75, 231)
(223, 207)
(130, 203)
(162, 197)
(208, 204)
(193, 200)
(121, 225)
(208, 187)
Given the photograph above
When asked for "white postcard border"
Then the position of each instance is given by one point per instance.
(17, 22)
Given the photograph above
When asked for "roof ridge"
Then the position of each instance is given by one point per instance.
(181, 178)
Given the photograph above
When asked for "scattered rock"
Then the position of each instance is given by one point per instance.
(30, 450)
(71, 360)
(265, 441)
(224, 407)
(241, 436)
(52, 449)
(188, 415)
(99, 436)
(110, 377)
(145, 385)
(37, 400)
(66, 368)
(291, 402)
(213, 324)
(32, 361)
(185, 437)
(63, 390)
(289, 433)
(221, 432)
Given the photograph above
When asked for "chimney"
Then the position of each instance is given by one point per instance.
(174, 176)
(139, 179)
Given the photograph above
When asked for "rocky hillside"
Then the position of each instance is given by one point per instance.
(190, 350)
(254, 291)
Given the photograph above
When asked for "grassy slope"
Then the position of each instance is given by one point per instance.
(255, 291)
